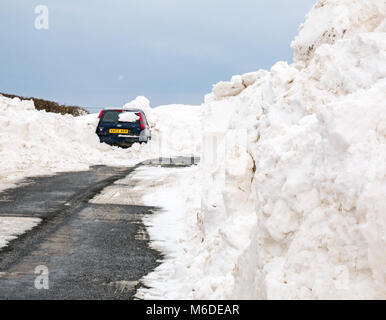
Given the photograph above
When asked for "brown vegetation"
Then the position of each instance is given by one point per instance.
(50, 106)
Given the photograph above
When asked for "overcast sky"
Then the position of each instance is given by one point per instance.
(99, 53)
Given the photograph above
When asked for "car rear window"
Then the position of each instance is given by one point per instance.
(113, 116)
(110, 116)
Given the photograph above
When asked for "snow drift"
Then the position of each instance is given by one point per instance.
(37, 142)
(293, 173)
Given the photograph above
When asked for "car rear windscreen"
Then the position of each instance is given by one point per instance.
(113, 116)
(110, 116)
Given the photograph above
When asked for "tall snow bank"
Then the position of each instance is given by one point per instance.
(304, 149)
(176, 129)
(36, 142)
(294, 172)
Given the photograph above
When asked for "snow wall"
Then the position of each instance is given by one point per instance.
(294, 167)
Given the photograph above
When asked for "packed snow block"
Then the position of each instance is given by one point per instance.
(228, 88)
(234, 87)
(250, 78)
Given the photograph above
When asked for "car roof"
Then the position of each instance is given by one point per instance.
(123, 109)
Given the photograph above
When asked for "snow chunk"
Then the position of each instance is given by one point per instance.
(225, 89)
(128, 117)
(237, 84)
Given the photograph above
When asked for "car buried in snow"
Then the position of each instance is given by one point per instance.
(123, 127)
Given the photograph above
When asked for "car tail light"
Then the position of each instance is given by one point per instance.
(141, 121)
(100, 114)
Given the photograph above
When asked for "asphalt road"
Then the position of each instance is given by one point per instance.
(91, 251)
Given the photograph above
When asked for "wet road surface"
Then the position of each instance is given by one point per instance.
(91, 251)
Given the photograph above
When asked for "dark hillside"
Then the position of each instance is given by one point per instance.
(50, 106)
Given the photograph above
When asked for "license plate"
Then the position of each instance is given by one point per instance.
(119, 131)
